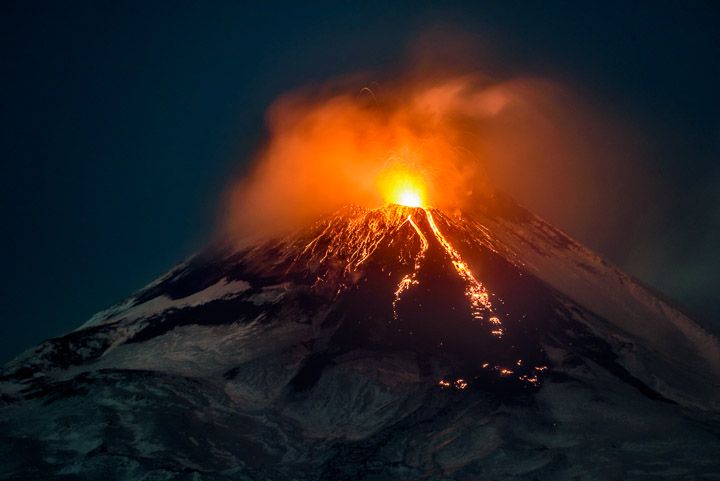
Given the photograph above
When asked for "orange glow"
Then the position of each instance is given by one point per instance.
(398, 185)
(409, 198)
(461, 384)
(405, 145)
(477, 294)
(355, 238)
(411, 279)
(532, 380)
(432, 142)
(349, 239)
(475, 290)
(457, 133)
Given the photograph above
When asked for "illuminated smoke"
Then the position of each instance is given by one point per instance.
(449, 138)
(326, 150)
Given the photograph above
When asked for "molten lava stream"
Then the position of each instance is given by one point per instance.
(475, 291)
(411, 279)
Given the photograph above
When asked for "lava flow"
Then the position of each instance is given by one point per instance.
(475, 291)
(354, 238)
(411, 279)
(406, 190)
(410, 228)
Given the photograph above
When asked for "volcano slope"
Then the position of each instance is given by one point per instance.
(396, 343)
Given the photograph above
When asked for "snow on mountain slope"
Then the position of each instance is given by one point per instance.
(376, 344)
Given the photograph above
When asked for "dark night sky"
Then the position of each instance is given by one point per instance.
(121, 122)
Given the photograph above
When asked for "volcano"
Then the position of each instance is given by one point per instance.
(394, 343)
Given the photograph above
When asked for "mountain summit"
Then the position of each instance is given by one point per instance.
(397, 343)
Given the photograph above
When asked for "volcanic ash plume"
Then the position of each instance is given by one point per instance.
(431, 143)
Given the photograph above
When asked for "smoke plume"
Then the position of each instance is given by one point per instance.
(461, 135)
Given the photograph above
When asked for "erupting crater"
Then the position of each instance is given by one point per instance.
(414, 250)
(399, 338)
(418, 332)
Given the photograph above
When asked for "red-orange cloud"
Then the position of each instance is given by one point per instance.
(457, 135)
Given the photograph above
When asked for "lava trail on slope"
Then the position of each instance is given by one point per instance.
(376, 344)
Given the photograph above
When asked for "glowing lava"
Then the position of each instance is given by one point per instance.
(409, 198)
(349, 239)
(476, 292)
(411, 279)
(358, 238)
(399, 185)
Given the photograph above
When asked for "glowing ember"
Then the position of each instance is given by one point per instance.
(458, 384)
(461, 384)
